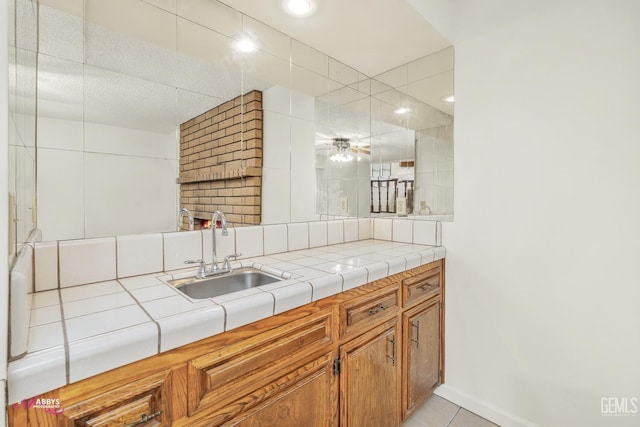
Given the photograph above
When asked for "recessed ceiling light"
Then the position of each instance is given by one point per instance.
(449, 98)
(245, 45)
(299, 7)
(402, 110)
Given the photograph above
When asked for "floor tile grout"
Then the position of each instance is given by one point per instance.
(454, 416)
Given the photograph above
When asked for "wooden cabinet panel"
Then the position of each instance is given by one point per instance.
(145, 403)
(422, 287)
(360, 314)
(370, 380)
(278, 396)
(310, 401)
(219, 382)
(422, 363)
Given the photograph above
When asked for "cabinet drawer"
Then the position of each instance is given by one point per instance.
(144, 403)
(422, 287)
(364, 313)
(224, 376)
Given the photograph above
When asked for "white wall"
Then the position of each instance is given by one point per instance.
(543, 283)
(97, 180)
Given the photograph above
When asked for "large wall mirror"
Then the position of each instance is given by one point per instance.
(116, 79)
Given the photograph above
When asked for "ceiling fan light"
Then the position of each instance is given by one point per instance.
(341, 157)
(341, 154)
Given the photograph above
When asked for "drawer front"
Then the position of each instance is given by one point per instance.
(366, 312)
(143, 403)
(222, 377)
(422, 287)
(140, 412)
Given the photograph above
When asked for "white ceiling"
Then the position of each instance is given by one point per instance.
(370, 36)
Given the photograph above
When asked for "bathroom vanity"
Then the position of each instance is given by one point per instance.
(367, 356)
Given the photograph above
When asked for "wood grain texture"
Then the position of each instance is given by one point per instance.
(422, 286)
(370, 378)
(421, 365)
(363, 311)
(256, 397)
(309, 402)
(223, 375)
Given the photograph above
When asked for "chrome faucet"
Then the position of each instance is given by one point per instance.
(214, 223)
(183, 212)
(214, 270)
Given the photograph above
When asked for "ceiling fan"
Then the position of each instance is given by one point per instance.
(342, 148)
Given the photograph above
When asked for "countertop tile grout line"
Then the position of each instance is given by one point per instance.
(65, 337)
(139, 303)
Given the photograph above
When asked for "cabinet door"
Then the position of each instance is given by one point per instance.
(422, 354)
(310, 401)
(369, 379)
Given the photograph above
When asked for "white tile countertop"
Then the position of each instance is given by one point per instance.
(79, 331)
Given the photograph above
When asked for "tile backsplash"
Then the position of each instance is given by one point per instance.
(87, 261)
(75, 262)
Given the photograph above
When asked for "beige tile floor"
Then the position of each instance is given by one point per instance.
(439, 412)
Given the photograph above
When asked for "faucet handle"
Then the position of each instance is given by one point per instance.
(202, 268)
(225, 264)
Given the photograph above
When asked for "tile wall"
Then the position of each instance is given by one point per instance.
(74, 262)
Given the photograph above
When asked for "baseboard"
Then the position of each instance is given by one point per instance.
(482, 408)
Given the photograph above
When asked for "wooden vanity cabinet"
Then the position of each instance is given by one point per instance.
(365, 357)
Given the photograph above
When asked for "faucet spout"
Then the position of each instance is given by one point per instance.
(223, 223)
(183, 212)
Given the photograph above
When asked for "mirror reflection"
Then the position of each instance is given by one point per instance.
(114, 96)
(21, 153)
